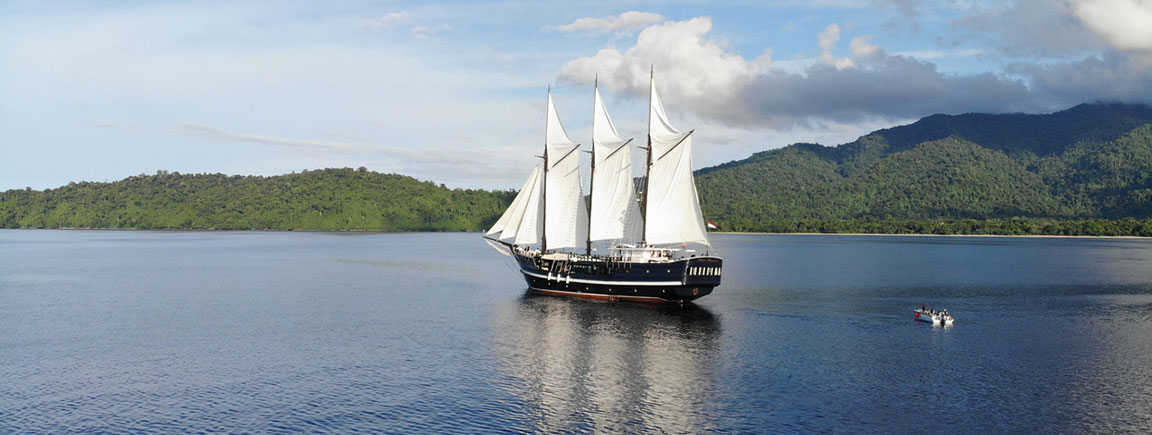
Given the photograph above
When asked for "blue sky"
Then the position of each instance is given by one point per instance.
(453, 92)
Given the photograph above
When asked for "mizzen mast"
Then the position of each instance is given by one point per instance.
(592, 174)
(648, 165)
(544, 184)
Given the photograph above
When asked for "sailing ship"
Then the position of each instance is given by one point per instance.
(651, 247)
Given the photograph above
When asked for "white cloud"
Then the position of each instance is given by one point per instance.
(389, 21)
(862, 48)
(624, 23)
(1125, 24)
(1097, 49)
(1061, 28)
(828, 39)
(705, 76)
(689, 65)
(829, 36)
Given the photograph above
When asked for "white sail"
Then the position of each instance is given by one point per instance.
(566, 217)
(506, 228)
(530, 227)
(673, 208)
(615, 214)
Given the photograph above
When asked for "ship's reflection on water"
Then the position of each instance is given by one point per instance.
(580, 365)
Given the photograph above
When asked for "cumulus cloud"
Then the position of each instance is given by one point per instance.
(828, 39)
(624, 23)
(1125, 24)
(692, 67)
(705, 76)
(1062, 28)
(1103, 48)
(862, 48)
(829, 36)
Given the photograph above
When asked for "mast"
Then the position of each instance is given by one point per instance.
(544, 184)
(648, 166)
(592, 174)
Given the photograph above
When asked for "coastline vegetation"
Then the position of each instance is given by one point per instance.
(347, 200)
(327, 199)
(1001, 227)
(1083, 171)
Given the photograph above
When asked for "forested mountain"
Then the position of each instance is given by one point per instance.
(1085, 170)
(329, 199)
(1089, 162)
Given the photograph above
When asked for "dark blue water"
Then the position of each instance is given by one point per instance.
(114, 331)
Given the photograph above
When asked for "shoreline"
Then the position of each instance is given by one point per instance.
(268, 230)
(224, 230)
(1045, 236)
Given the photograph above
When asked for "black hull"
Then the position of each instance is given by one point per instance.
(610, 279)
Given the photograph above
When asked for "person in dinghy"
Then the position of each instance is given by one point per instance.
(941, 317)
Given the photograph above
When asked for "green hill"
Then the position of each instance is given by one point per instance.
(329, 199)
(1093, 161)
(1085, 170)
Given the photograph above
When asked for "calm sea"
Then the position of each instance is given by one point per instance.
(133, 331)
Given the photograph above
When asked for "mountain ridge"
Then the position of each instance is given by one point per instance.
(1028, 173)
(1087, 162)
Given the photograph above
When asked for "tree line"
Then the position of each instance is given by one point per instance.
(327, 199)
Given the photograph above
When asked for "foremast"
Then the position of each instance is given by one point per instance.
(564, 210)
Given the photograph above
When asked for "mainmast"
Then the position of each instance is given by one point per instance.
(592, 174)
(544, 184)
(648, 166)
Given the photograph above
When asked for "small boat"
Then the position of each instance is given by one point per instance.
(935, 317)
